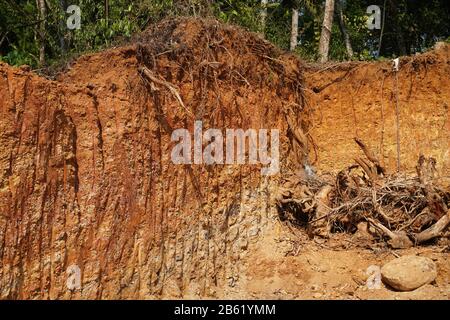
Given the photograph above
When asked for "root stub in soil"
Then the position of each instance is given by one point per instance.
(406, 210)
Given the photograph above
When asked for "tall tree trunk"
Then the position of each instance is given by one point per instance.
(325, 36)
(401, 44)
(382, 29)
(42, 17)
(263, 16)
(294, 29)
(106, 11)
(345, 35)
(62, 27)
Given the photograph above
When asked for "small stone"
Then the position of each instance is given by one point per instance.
(317, 295)
(409, 272)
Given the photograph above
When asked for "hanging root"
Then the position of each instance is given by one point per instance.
(150, 76)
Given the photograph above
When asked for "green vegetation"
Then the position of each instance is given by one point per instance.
(35, 32)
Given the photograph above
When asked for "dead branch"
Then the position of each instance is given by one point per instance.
(398, 206)
(426, 169)
(435, 230)
(398, 240)
(368, 169)
(321, 226)
(378, 208)
(371, 156)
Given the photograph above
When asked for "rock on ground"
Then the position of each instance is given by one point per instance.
(409, 272)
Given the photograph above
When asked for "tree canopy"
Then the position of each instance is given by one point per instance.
(36, 32)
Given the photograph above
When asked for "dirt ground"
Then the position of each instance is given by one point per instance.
(284, 267)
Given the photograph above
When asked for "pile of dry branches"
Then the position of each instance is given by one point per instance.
(405, 210)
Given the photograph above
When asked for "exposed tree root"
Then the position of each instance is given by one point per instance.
(145, 71)
(404, 210)
(435, 230)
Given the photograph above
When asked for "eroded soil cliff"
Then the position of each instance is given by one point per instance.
(86, 177)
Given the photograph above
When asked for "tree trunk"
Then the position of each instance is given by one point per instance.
(345, 35)
(294, 29)
(42, 17)
(382, 29)
(401, 44)
(325, 36)
(62, 27)
(106, 11)
(263, 16)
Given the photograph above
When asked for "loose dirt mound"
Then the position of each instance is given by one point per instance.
(86, 177)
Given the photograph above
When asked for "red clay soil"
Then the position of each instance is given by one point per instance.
(86, 177)
(358, 99)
